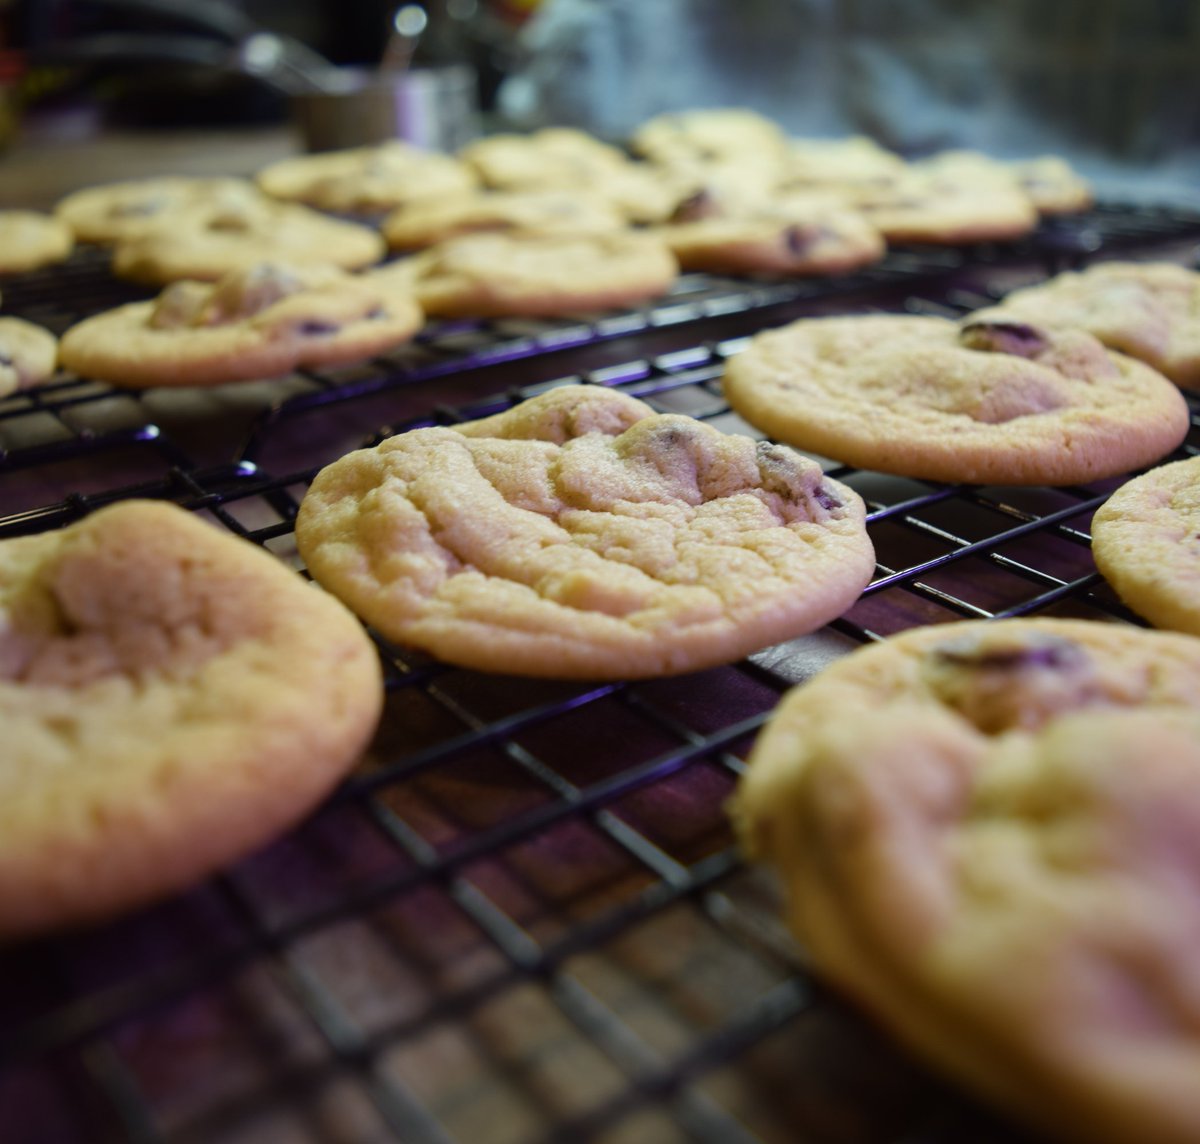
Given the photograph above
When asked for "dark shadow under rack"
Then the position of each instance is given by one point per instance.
(524, 919)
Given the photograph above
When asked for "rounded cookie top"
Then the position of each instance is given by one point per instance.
(815, 163)
(265, 320)
(536, 212)
(988, 834)
(1146, 542)
(367, 178)
(172, 697)
(29, 240)
(581, 535)
(551, 157)
(503, 275)
(209, 240)
(979, 402)
(953, 197)
(114, 211)
(1149, 310)
(1053, 184)
(28, 355)
(802, 236)
(708, 135)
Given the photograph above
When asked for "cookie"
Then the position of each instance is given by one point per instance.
(259, 322)
(173, 697)
(564, 159)
(552, 157)
(973, 401)
(1149, 310)
(366, 179)
(113, 211)
(1146, 540)
(705, 135)
(208, 241)
(582, 535)
(503, 275)
(856, 160)
(805, 237)
(423, 224)
(29, 240)
(987, 834)
(28, 355)
(952, 198)
(1055, 187)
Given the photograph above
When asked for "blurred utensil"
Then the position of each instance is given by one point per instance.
(408, 23)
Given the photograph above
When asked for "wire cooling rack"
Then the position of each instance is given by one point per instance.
(523, 918)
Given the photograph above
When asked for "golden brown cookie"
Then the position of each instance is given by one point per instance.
(28, 355)
(582, 535)
(564, 159)
(794, 236)
(526, 275)
(707, 135)
(853, 161)
(367, 179)
(172, 697)
(1146, 541)
(114, 211)
(974, 401)
(1055, 187)
(208, 241)
(29, 240)
(1149, 310)
(426, 223)
(954, 197)
(987, 832)
(552, 157)
(259, 322)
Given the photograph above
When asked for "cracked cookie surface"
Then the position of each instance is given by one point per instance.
(1146, 542)
(582, 535)
(976, 401)
(172, 697)
(262, 321)
(988, 837)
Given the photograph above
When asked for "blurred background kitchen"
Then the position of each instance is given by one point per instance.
(1110, 84)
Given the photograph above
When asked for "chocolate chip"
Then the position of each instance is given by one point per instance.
(376, 314)
(783, 473)
(5, 360)
(801, 239)
(317, 329)
(1046, 651)
(696, 206)
(826, 499)
(1015, 338)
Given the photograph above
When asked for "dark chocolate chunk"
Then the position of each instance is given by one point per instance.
(696, 206)
(1045, 651)
(800, 239)
(826, 499)
(1015, 338)
(317, 329)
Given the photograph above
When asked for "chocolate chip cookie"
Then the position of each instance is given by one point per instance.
(582, 535)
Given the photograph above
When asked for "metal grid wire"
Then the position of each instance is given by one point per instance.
(523, 918)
